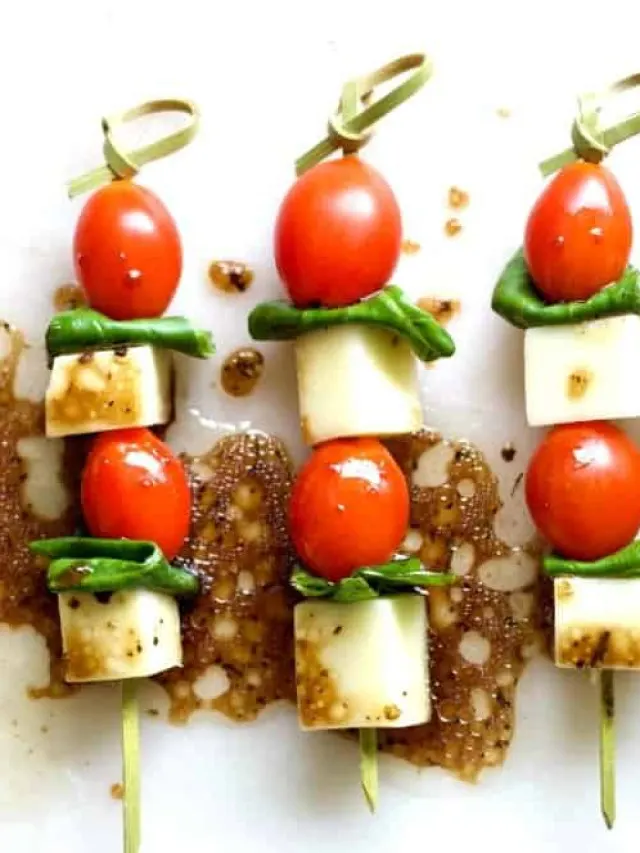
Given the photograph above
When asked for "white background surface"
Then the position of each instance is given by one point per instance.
(265, 75)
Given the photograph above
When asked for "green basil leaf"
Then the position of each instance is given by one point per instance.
(516, 299)
(402, 573)
(389, 309)
(353, 589)
(311, 586)
(83, 564)
(408, 578)
(622, 564)
(84, 329)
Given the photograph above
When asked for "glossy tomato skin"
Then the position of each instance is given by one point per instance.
(579, 233)
(583, 489)
(349, 507)
(338, 234)
(127, 252)
(134, 487)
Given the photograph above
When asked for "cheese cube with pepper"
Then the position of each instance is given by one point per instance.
(597, 622)
(362, 664)
(131, 633)
(108, 389)
(356, 380)
(583, 372)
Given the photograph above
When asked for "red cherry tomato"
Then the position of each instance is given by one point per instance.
(133, 487)
(338, 234)
(349, 507)
(578, 236)
(583, 489)
(127, 252)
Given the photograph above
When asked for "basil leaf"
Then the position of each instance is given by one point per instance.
(82, 564)
(311, 586)
(402, 573)
(389, 309)
(419, 577)
(622, 564)
(84, 329)
(516, 299)
(353, 589)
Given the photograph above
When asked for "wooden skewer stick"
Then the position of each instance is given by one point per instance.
(130, 766)
(369, 766)
(607, 748)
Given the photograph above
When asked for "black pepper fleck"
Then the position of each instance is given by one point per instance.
(508, 452)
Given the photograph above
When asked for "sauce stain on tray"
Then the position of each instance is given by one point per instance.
(242, 620)
(482, 630)
(24, 598)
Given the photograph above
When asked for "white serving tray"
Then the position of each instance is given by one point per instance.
(266, 74)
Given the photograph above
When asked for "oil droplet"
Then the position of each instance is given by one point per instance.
(241, 371)
(452, 227)
(67, 297)
(442, 310)
(410, 247)
(231, 276)
(458, 198)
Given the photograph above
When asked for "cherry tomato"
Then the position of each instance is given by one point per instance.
(338, 234)
(583, 489)
(578, 236)
(127, 252)
(133, 487)
(349, 507)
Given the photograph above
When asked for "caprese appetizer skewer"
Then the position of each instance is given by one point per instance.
(361, 648)
(573, 291)
(582, 492)
(112, 377)
(361, 636)
(337, 242)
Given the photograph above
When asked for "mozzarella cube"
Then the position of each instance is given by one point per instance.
(127, 634)
(583, 372)
(597, 622)
(362, 665)
(108, 389)
(356, 380)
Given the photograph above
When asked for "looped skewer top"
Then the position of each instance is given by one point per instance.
(349, 128)
(121, 164)
(590, 141)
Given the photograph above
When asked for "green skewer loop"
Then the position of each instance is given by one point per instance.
(126, 164)
(590, 141)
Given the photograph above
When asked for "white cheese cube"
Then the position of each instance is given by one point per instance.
(108, 389)
(128, 634)
(597, 622)
(356, 380)
(583, 372)
(362, 665)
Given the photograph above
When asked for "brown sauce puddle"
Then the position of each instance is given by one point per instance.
(241, 622)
